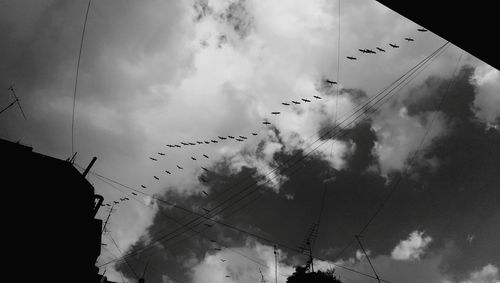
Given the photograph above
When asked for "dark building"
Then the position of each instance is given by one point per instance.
(49, 222)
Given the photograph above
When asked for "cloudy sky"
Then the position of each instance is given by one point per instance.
(153, 73)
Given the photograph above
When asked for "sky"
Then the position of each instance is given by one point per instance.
(422, 162)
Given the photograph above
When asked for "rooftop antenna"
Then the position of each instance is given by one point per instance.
(262, 280)
(367, 257)
(107, 218)
(16, 100)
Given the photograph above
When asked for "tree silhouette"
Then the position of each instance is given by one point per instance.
(302, 276)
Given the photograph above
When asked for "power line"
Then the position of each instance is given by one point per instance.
(76, 77)
(205, 215)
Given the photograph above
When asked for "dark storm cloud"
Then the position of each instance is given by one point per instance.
(449, 202)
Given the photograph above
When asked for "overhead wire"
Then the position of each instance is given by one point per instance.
(219, 212)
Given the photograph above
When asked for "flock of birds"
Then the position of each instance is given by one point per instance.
(238, 138)
(243, 138)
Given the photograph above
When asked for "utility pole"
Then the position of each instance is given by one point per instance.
(276, 263)
(367, 257)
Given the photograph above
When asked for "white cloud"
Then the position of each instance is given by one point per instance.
(487, 100)
(411, 248)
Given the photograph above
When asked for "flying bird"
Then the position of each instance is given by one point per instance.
(169, 145)
(177, 145)
(154, 159)
(168, 172)
(204, 155)
(184, 143)
(207, 142)
(156, 178)
(223, 260)
(199, 142)
(254, 134)
(161, 153)
(275, 113)
(193, 158)
(370, 51)
(134, 193)
(179, 167)
(126, 198)
(380, 49)
(243, 137)
(306, 100)
(205, 193)
(231, 137)
(143, 186)
(295, 102)
(409, 39)
(266, 123)
(203, 180)
(222, 138)
(363, 50)
(393, 45)
(351, 58)
(192, 143)
(422, 30)
(240, 140)
(284, 103)
(214, 141)
(330, 82)
(317, 97)
(116, 202)
(204, 168)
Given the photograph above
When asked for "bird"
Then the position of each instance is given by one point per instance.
(156, 178)
(409, 39)
(169, 145)
(191, 143)
(223, 260)
(204, 168)
(306, 100)
(168, 172)
(393, 45)
(240, 140)
(193, 158)
(266, 123)
(351, 58)
(422, 30)
(177, 145)
(243, 137)
(317, 97)
(222, 138)
(330, 82)
(116, 202)
(179, 167)
(363, 50)
(134, 193)
(227, 276)
(254, 134)
(143, 186)
(205, 193)
(126, 198)
(184, 143)
(231, 137)
(154, 159)
(286, 104)
(199, 142)
(380, 49)
(207, 142)
(295, 102)
(203, 180)
(275, 113)
(370, 51)
(214, 141)
(161, 153)
(204, 155)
